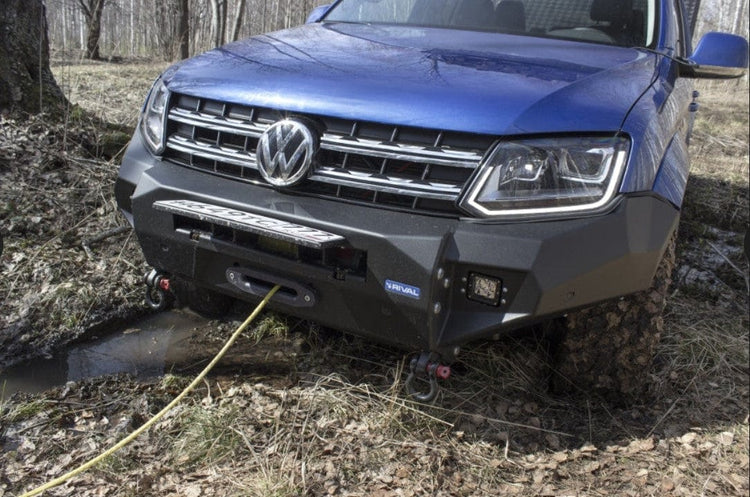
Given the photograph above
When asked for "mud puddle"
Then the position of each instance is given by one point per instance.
(146, 348)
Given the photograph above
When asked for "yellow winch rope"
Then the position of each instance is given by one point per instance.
(122, 443)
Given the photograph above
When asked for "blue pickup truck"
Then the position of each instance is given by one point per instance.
(428, 173)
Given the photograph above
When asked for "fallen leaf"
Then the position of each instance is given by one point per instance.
(640, 445)
(560, 456)
(591, 467)
(667, 485)
(726, 438)
(688, 438)
(192, 491)
(538, 477)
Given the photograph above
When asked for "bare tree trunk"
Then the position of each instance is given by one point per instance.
(263, 29)
(223, 21)
(26, 82)
(104, 27)
(92, 9)
(737, 27)
(238, 20)
(132, 28)
(141, 43)
(215, 21)
(64, 27)
(183, 28)
(82, 39)
(219, 21)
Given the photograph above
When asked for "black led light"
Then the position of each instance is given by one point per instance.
(484, 289)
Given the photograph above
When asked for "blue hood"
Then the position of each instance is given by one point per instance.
(435, 78)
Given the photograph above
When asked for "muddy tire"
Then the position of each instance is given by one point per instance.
(607, 349)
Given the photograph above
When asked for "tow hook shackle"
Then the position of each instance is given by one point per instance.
(426, 367)
(158, 294)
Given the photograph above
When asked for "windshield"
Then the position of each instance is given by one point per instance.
(614, 22)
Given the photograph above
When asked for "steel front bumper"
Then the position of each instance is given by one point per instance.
(395, 277)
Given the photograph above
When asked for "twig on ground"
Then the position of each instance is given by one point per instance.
(86, 244)
(662, 418)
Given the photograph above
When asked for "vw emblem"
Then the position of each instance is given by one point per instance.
(285, 152)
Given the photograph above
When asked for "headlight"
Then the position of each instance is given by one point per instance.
(547, 176)
(152, 118)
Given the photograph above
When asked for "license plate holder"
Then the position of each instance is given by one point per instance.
(252, 223)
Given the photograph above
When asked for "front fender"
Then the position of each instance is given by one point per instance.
(671, 179)
(658, 125)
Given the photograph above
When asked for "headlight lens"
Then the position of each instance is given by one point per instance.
(547, 176)
(152, 118)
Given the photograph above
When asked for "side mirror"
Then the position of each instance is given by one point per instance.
(317, 13)
(718, 55)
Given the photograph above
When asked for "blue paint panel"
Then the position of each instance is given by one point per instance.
(468, 81)
(656, 118)
(673, 174)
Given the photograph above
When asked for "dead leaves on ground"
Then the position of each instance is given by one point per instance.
(239, 438)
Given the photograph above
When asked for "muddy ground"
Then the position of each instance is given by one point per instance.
(301, 410)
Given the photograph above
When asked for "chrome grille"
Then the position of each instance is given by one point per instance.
(400, 167)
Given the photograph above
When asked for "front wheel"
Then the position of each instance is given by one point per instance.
(608, 348)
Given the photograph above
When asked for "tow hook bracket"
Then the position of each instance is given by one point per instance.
(426, 367)
(158, 290)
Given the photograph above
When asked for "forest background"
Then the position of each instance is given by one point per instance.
(171, 29)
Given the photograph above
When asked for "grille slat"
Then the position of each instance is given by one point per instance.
(212, 152)
(387, 184)
(215, 123)
(455, 158)
(391, 166)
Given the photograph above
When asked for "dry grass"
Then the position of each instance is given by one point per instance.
(707, 321)
(718, 189)
(113, 93)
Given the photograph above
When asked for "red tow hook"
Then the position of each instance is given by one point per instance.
(443, 372)
(158, 295)
(427, 367)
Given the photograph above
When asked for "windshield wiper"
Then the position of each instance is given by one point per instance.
(679, 60)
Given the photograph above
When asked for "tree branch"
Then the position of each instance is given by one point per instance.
(86, 9)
